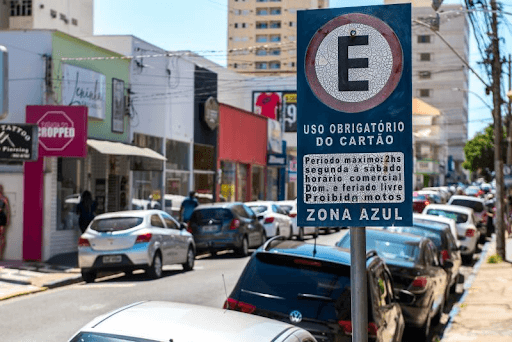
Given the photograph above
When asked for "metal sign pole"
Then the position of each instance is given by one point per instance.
(358, 284)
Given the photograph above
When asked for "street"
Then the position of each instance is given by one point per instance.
(54, 315)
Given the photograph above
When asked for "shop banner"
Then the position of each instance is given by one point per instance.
(18, 142)
(62, 130)
(118, 108)
(275, 137)
(84, 87)
(276, 159)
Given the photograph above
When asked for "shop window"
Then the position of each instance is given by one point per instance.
(177, 154)
(204, 183)
(228, 182)
(204, 157)
(70, 184)
(21, 8)
(176, 183)
(151, 142)
(258, 183)
(272, 183)
(242, 182)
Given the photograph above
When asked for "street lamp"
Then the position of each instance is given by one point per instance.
(476, 94)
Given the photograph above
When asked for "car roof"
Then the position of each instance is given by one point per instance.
(225, 205)
(468, 198)
(169, 321)
(129, 213)
(261, 203)
(450, 207)
(433, 218)
(393, 236)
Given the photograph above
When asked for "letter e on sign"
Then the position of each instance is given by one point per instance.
(354, 62)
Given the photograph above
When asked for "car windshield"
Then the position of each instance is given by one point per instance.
(475, 205)
(286, 207)
(211, 214)
(97, 337)
(258, 209)
(386, 249)
(419, 198)
(115, 223)
(458, 217)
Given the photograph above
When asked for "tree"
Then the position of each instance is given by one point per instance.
(479, 151)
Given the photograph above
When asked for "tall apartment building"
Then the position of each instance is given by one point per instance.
(440, 77)
(262, 35)
(70, 16)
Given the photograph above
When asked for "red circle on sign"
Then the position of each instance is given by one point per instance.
(56, 131)
(396, 70)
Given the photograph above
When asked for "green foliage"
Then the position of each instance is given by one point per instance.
(494, 259)
(479, 151)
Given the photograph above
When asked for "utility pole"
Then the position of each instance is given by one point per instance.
(509, 114)
(497, 101)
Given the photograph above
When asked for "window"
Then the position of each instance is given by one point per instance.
(425, 57)
(292, 52)
(275, 52)
(170, 222)
(74, 22)
(156, 221)
(275, 38)
(237, 12)
(425, 75)
(424, 92)
(292, 38)
(293, 24)
(275, 11)
(21, 8)
(245, 12)
(292, 64)
(261, 38)
(235, 65)
(261, 65)
(236, 25)
(243, 25)
(262, 11)
(275, 24)
(423, 39)
(261, 52)
(275, 65)
(261, 25)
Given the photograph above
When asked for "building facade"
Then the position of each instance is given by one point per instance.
(72, 17)
(262, 35)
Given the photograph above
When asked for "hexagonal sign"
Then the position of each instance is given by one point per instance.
(62, 130)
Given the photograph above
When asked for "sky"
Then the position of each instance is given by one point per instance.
(201, 26)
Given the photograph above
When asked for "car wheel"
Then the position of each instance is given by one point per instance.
(467, 258)
(89, 277)
(191, 257)
(453, 288)
(425, 329)
(263, 237)
(243, 251)
(301, 234)
(155, 270)
(278, 232)
(291, 233)
(437, 317)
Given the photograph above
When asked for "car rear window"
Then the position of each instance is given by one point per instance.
(419, 198)
(387, 249)
(434, 236)
(458, 217)
(475, 205)
(200, 215)
(99, 337)
(258, 209)
(319, 289)
(115, 224)
(286, 207)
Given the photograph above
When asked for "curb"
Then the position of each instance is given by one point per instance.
(63, 282)
(467, 285)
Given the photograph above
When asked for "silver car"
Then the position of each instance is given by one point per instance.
(137, 239)
(167, 321)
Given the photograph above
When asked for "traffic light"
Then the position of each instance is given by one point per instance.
(436, 4)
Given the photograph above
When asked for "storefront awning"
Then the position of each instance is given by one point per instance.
(120, 149)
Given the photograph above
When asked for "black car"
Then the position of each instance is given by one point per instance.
(221, 226)
(309, 286)
(413, 263)
(444, 241)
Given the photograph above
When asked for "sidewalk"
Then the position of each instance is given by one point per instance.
(18, 278)
(485, 310)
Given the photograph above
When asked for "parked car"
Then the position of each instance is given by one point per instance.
(273, 218)
(300, 232)
(414, 266)
(444, 241)
(440, 220)
(286, 205)
(136, 239)
(434, 196)
(420, 201)
(479, 209)
(464, 218)
(229, 225)
(309, 285)
(172, 204)
(472, 190)
(167, 321)
(442, 192)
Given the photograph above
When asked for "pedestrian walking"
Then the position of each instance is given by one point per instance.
(85, 210)
(5, 219)
(187, 206)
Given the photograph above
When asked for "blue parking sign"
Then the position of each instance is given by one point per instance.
(354, 122)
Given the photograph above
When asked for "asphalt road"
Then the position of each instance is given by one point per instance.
(55, 315)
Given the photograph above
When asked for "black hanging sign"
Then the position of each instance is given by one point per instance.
(18, 142)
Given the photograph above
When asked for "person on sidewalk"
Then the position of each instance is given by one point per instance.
(85, 210)
(5, 219)
(187, 207)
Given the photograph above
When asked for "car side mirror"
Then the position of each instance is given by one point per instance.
(183, 225)
(260, 217)
(447, 264)
(406, 297)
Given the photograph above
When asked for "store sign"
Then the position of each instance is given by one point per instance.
(18, 142)
(84, 87)
(267, 104)
(211, 113)
(275, 135)
(276, 159)
(62, 130)
(354, 130)
(118, 108)
(290, 112)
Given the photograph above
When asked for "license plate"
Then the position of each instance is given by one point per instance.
(112, 259)
(209, 229)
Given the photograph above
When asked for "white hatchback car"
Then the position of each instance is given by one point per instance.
(274, 219)
(464, 217)
(136, 239)
(300, 232)
(167, 321)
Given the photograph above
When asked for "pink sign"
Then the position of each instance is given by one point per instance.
(62, 130)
